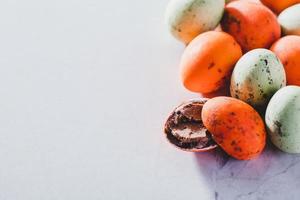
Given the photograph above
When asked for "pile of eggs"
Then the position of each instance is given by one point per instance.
(251, 48)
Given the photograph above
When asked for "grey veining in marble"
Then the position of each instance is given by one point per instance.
(273, 175)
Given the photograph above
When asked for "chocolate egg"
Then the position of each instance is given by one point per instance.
(251, 24)
(257, 76)
(287, 49)
(185, 130)
(207, 62)
(283, 119)
(289, 20)
(188, 18)
(279, 5)
(235, 126)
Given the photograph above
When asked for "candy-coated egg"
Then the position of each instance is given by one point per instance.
(235, 126)
(283, 119)
(279, 5)
(208, 60)
(188, 18)
(287, 50)
(289, 20)
(257, 76)
(252, 25)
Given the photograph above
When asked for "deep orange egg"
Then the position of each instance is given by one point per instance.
(235, 126)
(208, 61)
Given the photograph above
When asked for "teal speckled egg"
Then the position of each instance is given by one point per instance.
(188, 18)
(257, 76)
(283, 119)
(289, 20)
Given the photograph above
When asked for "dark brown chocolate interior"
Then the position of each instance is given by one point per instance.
(187, 118)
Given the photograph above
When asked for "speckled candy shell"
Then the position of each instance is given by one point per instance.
(283, 119)
(257, 76)
(188, 18)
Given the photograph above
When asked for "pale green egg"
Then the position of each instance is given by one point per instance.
(186, 19)
(289, 20)
(283, 119)
(256, 77)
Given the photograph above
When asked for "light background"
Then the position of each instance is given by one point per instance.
(85, 86)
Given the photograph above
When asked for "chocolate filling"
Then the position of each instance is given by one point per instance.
(184, 127)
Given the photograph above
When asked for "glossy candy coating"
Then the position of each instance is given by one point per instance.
(251, 24)
(287, 50)
(256, 77)
(289, 20)
(279, 5)
(188, 18)
(235, 126)
(208, 60)
(283, 119)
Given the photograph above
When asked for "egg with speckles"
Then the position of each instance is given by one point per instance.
(188, 18)
(283, 117)
(235, 126)
(289, 20)
(256, 77)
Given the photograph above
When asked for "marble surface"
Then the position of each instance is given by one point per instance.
(274, 175)
(85, 86)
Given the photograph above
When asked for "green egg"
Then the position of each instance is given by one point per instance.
(283, 119)
(289, 20)
(256, 77)
(188, 18)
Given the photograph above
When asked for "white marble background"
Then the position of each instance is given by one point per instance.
(85, 86)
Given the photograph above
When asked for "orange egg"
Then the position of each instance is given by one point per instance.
(256, 1)
(235, 126)
(252, 25)
(287, 50)
(208, 60)
(279, 5)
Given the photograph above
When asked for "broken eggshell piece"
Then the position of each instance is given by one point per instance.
(185, 130)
